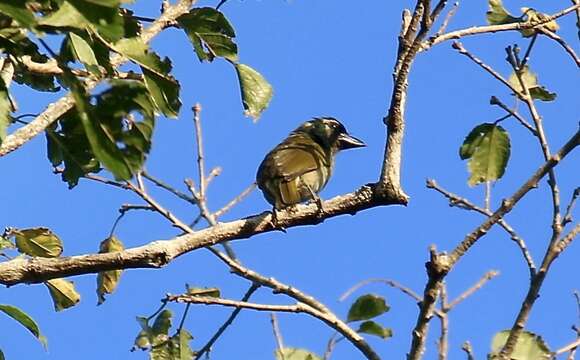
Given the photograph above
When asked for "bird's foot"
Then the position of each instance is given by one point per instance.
(275, 224)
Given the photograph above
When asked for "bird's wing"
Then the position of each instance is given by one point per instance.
(293, 161)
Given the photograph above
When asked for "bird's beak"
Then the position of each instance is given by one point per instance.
(345, 141)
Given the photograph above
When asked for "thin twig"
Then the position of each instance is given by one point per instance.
(207, 347)
(567, 218)
(389, 282)
(163, 185)
(572, 346)
(468, 350)
(459, 47)
(529, 51)
(443, 341)
(476, 30)
(484, 279)
(577, 2)
(299, 307)
(457, 201)
(277, 334)
(220, 4)
(447, 19)
(227, 207)
(334, 339)
(495, 101)
(123, 210)
(557, 38)
(487, 201)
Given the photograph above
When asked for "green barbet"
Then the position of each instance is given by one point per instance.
(298, 168)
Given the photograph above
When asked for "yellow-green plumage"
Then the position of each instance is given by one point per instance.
(301, 165)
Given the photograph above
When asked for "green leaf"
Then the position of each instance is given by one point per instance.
(533, 16)
(84, 53)
(530, 80)
(84, 14)
(373, 328)
(2, 355)
(25, 320)
(210, 33)
(39, 241)
(15, 41)
(529, 346)
(162, 323)
(107, 281)
(295, 354)
(212, 292)
(497, 14)
(367, 307)
(17, 10)
(162, 87)
(63, 293)
(185, 351)
(5, 110)
(256, 91)
(488, 149)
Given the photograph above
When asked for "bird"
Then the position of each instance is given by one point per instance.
(298, 168)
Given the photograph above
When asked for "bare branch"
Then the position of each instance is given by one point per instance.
(557, 38)
(389, 282)
(207, 347)
(277, 333)
(227, 207)
(440, 264)
(169, 188)
(459, 47)
(327, 318)
(485, 278)
(567, 218)
(495, 101)
(443, 342)
(570, 347)
(476, 30)
(468, 350)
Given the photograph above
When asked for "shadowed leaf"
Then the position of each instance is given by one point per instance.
(210, 33)
(367, 307)
(532, 16)
(107, 281)
(373, 328)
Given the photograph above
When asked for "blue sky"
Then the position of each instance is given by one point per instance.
(330, 58)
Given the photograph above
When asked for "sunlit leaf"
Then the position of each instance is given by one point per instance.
(63, 293)
(84, 53)
(373, 328)
(497, 14)
(39, 241)
(295, 354)
(488, 149)
(530, 81)
(532, 16)
(529, 346)
(210, 33)
(367, 307)
(107, 281)
(212, 292)
(164, 89)
(85, 14)
(25, 320)
(256, 91)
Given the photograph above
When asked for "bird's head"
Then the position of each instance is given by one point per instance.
(329, 133)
